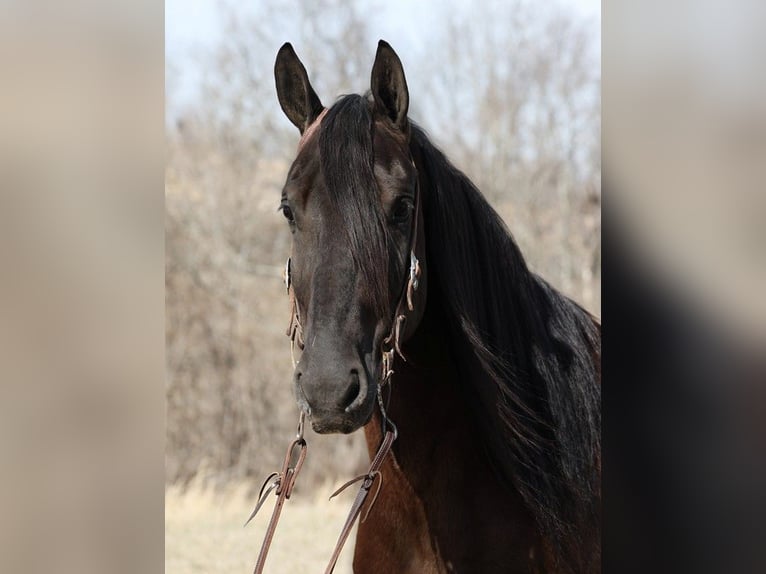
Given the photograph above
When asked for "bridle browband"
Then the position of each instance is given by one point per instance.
(282, 482)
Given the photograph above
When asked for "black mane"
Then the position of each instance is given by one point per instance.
(346, 156)
(531, 358)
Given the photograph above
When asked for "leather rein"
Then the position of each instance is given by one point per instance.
(282, 482)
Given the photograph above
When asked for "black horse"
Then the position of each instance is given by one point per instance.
(496, 392)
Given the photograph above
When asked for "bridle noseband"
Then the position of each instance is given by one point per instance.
(282, 482)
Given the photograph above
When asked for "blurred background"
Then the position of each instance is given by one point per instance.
(88, 140)
(510, 91)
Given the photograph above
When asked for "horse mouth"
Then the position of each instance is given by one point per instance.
(343, 421)
(340, 403)
(334, 427)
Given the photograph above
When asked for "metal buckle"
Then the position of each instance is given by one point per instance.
(287, 274)
(412, 284)
(387, 365)
(414, 270)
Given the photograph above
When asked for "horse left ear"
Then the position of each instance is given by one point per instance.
(296, 96)
(389, 86)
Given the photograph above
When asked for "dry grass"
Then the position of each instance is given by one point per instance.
(204, 533)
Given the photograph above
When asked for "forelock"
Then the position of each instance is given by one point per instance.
(346, 159)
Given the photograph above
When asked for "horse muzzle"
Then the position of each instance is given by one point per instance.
(337, 395)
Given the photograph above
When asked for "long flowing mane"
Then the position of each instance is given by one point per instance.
(530, 359)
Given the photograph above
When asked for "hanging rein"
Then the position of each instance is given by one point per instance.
(282, 482)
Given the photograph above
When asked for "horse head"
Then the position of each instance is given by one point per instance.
(357, 267)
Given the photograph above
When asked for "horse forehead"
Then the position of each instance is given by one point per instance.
(391, 164)
(304, 173)
(391, 168)
(387, 141)
(391, 174)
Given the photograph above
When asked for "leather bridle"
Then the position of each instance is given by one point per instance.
(282, 482)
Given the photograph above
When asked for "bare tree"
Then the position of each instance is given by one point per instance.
(519, 109)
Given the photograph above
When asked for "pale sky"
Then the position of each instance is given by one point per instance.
(192, 26)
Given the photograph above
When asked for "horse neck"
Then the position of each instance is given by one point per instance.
(418, 405)
(438, 461)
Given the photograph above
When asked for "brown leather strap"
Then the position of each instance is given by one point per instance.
(406, 304)
(283, 482)
(368, 480)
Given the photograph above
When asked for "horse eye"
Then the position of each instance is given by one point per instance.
(287, 212)
(402, 210)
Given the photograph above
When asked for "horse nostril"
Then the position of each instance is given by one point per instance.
(353, 393)
(303, 400)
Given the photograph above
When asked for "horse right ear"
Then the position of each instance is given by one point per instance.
(389, 87)
(296, 96)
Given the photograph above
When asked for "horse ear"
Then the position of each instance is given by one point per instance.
(389, 86)
(296, 96)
